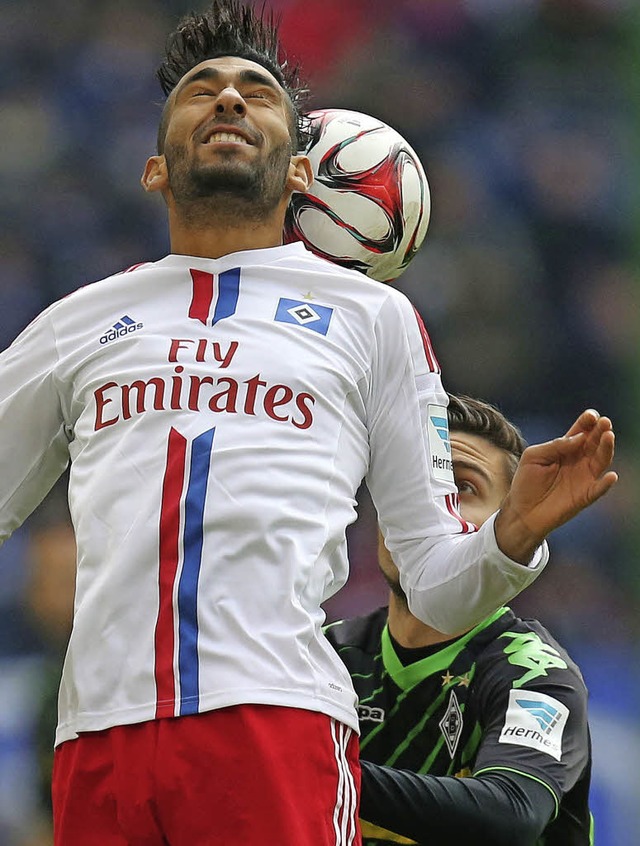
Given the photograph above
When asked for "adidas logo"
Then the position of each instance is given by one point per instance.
(123, 327)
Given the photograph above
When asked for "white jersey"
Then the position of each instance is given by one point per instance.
(220, 416)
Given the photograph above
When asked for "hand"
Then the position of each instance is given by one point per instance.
(554, 482)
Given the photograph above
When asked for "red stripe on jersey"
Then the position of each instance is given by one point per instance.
(202, 295)
(172, 487)
(453, 507)
(133, 267)
(432, 361)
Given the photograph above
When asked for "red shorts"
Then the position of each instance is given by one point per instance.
(250, 775)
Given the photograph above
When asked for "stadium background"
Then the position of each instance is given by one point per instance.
(526, 116)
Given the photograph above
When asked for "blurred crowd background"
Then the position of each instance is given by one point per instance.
(526, 115)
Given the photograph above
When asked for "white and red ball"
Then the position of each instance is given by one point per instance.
(369, 205)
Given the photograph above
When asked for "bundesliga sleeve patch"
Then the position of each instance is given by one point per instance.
(439, 446)
(299, 313)
(535, 720)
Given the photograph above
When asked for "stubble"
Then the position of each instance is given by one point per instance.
(227, 192)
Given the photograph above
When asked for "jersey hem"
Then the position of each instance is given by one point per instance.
(85, 722)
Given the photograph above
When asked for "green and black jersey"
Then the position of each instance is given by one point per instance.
(504, 698)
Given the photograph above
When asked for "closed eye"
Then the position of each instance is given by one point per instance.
(260, 95)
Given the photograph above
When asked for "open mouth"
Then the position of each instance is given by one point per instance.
(226, 138)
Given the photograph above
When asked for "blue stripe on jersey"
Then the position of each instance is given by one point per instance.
(188, 587)
(228, 290)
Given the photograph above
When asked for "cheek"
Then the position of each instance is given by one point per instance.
(277, 129)
(475, 510)
(175, 133)
(183, 122)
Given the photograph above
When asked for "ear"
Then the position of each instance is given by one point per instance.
(300, 175)
(154, 176)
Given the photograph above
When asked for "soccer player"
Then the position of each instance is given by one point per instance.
(219, 409)
(503, 703)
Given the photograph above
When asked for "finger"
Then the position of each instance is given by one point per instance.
(602, 486)
(585, 422)
(552, 451)
(605, 424)
(604, 452)
(604, 428)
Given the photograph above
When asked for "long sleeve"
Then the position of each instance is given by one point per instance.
(33, 448)
(501, 809)
(453, 575)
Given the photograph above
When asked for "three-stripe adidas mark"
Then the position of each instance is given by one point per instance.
(120, 328)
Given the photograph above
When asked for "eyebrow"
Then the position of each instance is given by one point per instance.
(250, 75)
(463, 464)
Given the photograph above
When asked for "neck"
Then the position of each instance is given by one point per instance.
(407, 630)
(214, 236)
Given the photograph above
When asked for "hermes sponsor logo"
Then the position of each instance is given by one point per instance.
(182, 391)
(536, 720)
(439, 446)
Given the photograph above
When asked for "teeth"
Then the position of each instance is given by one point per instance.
(225, 138)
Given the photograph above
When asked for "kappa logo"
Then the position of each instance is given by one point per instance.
(122, 327)
(315, 317)
(529, 651)
(535, 720)
(370, 714)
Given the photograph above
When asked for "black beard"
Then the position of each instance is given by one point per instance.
(227, 192)
(396, 589)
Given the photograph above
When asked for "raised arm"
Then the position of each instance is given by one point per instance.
(554, 482)
(454, 576)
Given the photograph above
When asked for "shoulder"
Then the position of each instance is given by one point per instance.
(74, 311)
(356, 285)
(100, 287)
(362, 633)
(523, 655)
(529, 645)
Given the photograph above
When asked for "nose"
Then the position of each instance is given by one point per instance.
(230, 101)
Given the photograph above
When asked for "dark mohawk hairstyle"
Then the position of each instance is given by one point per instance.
(233, 28)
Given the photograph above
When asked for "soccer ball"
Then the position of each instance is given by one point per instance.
(369, 205)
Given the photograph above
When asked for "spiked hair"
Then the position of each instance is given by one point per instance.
(232, 28)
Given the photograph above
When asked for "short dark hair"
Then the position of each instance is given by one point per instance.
(476, 417)
(232, 28)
